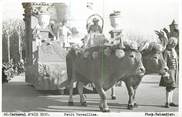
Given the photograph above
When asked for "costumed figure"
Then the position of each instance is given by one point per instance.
(116, 38)
(94, 29)
(36, 34)
(52, 30)
(66, 34)
(116, 32)
(170, 81)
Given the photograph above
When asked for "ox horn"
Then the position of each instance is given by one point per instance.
(143, 46)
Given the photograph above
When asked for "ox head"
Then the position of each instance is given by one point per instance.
(152, 54)
(132, 58)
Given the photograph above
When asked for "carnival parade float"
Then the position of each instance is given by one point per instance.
(45, 64)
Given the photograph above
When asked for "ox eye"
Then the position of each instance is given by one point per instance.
(131, 56)
(155, 57)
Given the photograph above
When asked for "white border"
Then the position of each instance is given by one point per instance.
(123, 114)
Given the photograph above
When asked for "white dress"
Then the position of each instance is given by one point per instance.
(66, 36)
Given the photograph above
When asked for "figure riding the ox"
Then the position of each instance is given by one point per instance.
(94, 28)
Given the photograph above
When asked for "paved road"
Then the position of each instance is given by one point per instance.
(19, 96)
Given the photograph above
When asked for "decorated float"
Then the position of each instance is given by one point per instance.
(45, 63)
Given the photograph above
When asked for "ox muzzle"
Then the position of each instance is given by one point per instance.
(140, 71)
(164, 70)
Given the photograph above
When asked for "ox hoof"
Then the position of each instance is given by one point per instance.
(70, 103)
(135, 105)
(83, 103)
(113, 97)
(104, 109)
(130, 107)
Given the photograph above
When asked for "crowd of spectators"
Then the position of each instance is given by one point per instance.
(10, 69)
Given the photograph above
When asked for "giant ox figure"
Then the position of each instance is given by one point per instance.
(153, 61)
(102, 66)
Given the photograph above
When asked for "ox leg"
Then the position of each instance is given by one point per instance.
(70, 101)
(134, 99)
(80, 91)
(113, 95)
(135, 85)
(103, 103)
(131, 94)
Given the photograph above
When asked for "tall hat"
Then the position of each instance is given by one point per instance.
(173, 23)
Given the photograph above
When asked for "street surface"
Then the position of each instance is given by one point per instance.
(18, 96)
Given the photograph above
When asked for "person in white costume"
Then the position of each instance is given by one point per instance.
(66, 33)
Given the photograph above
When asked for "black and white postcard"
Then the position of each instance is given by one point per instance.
(80, 58)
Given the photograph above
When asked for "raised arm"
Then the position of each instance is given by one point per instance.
(167, 32)
(165, 55)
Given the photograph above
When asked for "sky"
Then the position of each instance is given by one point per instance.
(12, 9)
(146, 14)
(141, 16)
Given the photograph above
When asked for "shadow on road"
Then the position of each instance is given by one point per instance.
(18, 96)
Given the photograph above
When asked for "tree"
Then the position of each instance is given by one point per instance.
(13, 39)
